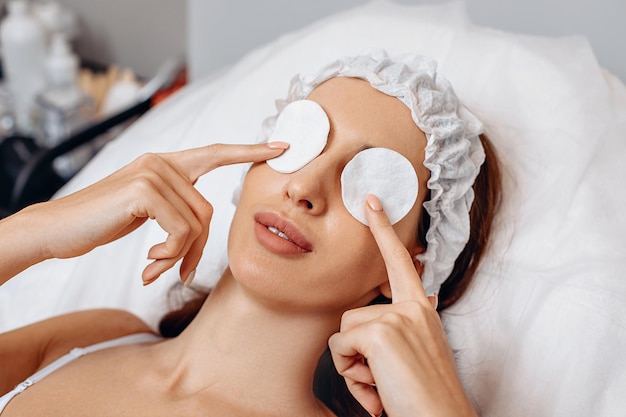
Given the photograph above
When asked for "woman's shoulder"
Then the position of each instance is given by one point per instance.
(85, 328)
(29, 348)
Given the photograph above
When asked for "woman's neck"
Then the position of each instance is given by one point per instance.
(243, 349)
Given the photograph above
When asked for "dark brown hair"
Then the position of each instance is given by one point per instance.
(487, 192)
(328, 385)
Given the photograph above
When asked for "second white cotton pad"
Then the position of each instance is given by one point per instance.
(385, 173)
(305, 126)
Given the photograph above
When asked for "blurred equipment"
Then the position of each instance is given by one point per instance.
(23, 41)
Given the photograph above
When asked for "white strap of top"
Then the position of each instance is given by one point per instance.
(69, 357)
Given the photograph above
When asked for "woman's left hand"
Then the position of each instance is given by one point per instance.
(396, 356)
(154, 186)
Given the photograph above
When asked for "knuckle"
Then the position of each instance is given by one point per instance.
(420, 314)
(393, 319)
(144, 183)
(383, 331)
(347, 315)
(206, 211)
(355, 316)
(203, 212)
(332, 341)
(402, 322)
(347, 319)
(413, 309)
(148, 159)
(181, 228)
(195, 228)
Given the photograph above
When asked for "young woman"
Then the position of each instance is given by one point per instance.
(302, 276)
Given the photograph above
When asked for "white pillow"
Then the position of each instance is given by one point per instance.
(542, 330)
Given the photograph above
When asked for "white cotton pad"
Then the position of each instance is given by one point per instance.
(385, 173)
(305, 126)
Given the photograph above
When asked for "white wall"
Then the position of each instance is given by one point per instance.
(603, 22)
(228, 29)
(143, 33)
(232, 27)
(140, 34)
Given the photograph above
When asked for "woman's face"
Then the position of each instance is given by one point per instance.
(334, 263)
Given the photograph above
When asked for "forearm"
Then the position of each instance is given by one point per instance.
(20, 243)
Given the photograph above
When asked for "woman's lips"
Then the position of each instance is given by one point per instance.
(280, 236)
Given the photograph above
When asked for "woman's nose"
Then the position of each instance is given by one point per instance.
(310, 187)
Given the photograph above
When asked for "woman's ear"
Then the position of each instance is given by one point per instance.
(419, 267)
(416, 250)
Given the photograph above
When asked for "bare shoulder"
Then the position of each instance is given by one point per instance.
(85, 328)
(23, 351)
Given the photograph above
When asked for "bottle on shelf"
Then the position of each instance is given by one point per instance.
(23, 42)
(55, 18)
(63, 107)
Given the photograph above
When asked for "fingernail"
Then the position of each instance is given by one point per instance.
(373, 202)
(436, 300)
(278, 145)
(190, 278)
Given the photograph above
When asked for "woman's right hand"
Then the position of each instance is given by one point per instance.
(155, 186)
(397, 355)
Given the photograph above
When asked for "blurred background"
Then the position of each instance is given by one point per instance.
(97, 65)
(142, 33)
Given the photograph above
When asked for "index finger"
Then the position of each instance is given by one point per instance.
(403, 277)
(194, 163)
